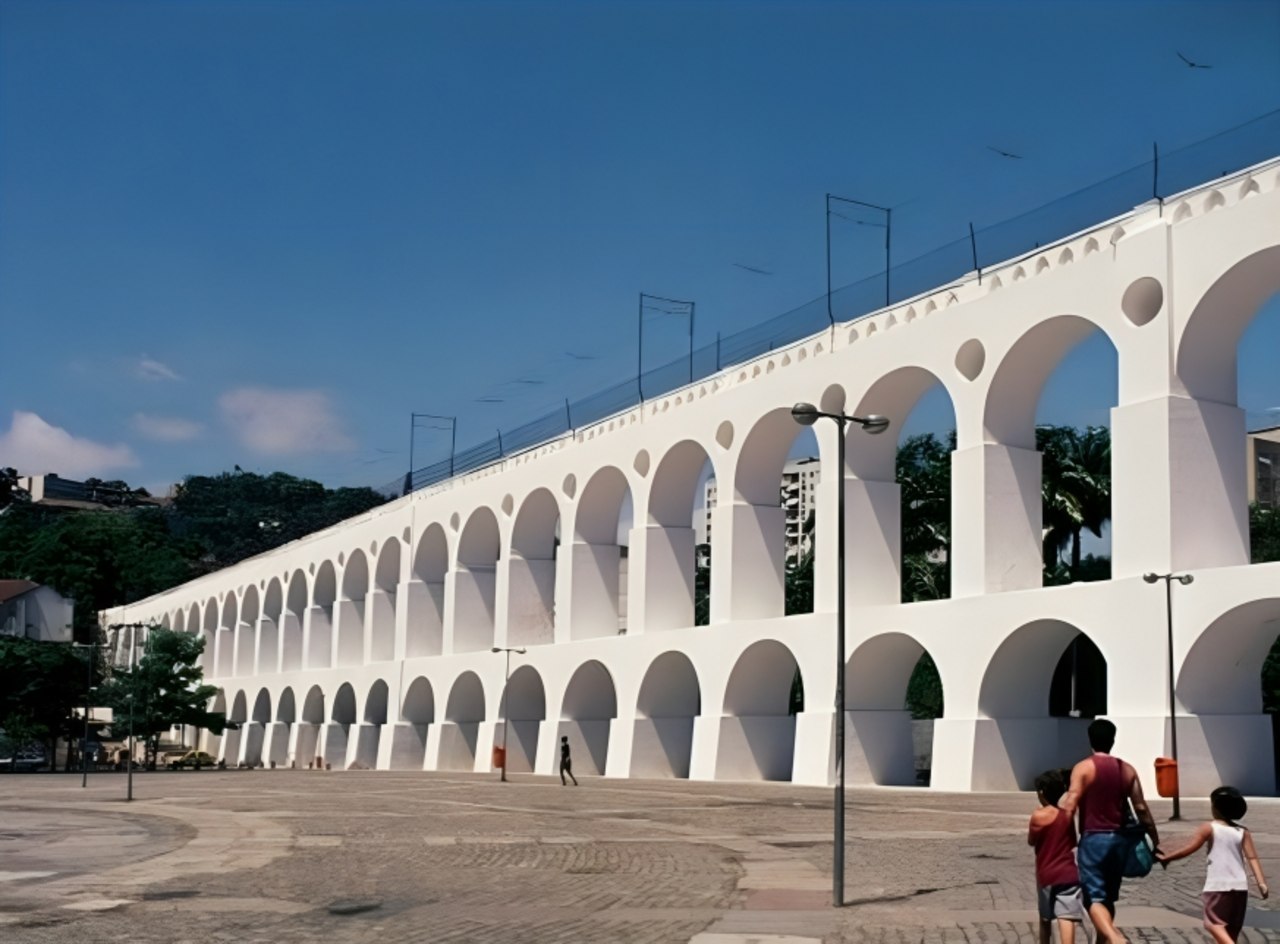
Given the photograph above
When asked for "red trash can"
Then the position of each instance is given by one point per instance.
(499, 758)
(1167, 777)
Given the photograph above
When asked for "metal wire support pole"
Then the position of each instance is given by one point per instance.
(973, 248)
(1155, 170)
(888, 229)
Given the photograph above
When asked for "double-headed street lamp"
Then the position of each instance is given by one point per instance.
(1168, 579)
(806, 414)
(506, 722)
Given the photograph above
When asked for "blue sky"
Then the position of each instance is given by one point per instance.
(263, 233)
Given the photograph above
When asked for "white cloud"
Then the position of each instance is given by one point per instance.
(32, 446)
(166, 428)
(284, 422)
(148, 368)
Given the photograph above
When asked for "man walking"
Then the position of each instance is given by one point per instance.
(566, 763)
(1101, 788)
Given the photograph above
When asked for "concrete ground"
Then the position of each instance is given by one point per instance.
(267, 856)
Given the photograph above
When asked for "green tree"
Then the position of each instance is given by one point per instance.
(10, 491)
(165, 688)
(1076, 489)
(41, 683)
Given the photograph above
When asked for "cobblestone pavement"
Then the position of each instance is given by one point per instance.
(266, 855)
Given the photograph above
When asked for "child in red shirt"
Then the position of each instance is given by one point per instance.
(1053, 834)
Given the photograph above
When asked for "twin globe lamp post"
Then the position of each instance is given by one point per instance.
(806, 414)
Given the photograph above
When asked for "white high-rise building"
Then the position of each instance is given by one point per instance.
(797, 490)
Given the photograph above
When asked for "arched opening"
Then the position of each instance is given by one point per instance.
(409, 750)
(280, 734)
(676, 552)
(349, 627)
(474, 583)
(209, 633)
(586, 717)
(889, 730)
(306, 749)
(898, 498)
(319, 627)
(1026, 725)
(291, 623)
(269, 628)
(531, 571)
(1228, 685)
(247, 632)
(774, 518)
(425, 623)
(336, 734)
(463, 714)
(255, 731)
(227, 635)
(382, 603)
(599, 557)
(758, 727)
(363, 753)
(669, 701)
(233, 737)
(1047, 426)
(180, 621)
(217, 705)
(193, 620)
(522, 711)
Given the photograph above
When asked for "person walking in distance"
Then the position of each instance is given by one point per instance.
(1101, 789)
(566, 762)
(1226, 884)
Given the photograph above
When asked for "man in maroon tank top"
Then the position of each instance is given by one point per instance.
(1102, 787)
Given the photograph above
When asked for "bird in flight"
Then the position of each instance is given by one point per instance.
(1193, 65)
(754, 269)
(1016, 157)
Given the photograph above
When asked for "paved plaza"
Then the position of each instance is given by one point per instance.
(258, 856)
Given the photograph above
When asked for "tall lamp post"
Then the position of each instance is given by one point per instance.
(1168, 579)
(506, 722)
(88, 694)
(133, 628)
(806, 414)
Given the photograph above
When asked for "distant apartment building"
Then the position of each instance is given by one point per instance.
(1263, 460)
(53, 491)
(798, 493)
(33, 611)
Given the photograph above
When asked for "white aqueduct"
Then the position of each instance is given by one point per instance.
(370, 642)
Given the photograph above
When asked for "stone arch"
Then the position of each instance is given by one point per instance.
(375, 703)
(262, 707)
(279, 734)
(309, 728)
(523, 708)
(254, 730)
(670, 699)
(350, 610)
(269, 627)
(531, 570)
(365, 738)
(233, 736)
(335, 739)
(598, 559)
(209, 633)
(1224, 737)
(212, 743)
(875, 499)
(587, 713)
(194, 625)
(318, 631)
(463, 714)
(879, 743)
(757, 730)
(426, 596)
(669, 551)
(774, 510)
(247, 632)
(382, 602)
(418, 713)
(227, 635)
(475, 582)
(1017, 734)
(287, 707)
(180, 621)
(344, 705)
(1021, 542)
(313, 706)
(291, 623)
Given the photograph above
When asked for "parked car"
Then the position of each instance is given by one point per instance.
(196, 759)
(27, 758)
(168, 758)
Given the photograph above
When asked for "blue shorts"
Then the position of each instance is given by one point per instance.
(1100, 858)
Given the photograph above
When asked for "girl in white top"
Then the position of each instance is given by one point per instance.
(1226, 886)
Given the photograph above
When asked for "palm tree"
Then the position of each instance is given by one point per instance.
(1075, 487)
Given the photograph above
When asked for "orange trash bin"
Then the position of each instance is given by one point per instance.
(499, 757)
(1167, 777)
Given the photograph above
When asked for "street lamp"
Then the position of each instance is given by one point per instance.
(1168, 579)
(506, 722)
(806, 414)
(89, 689)
(132, 627)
